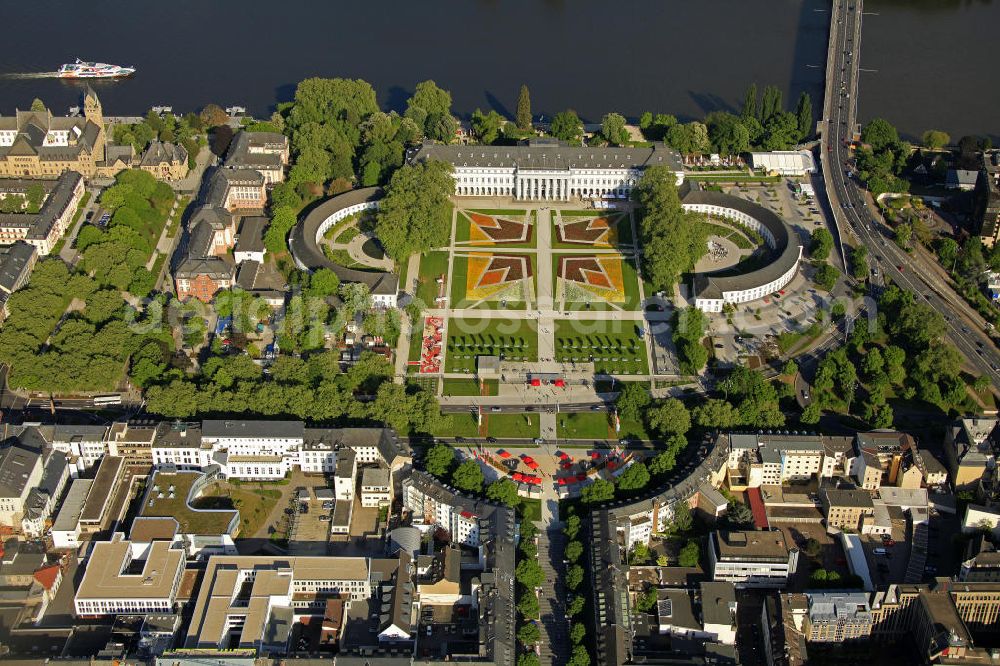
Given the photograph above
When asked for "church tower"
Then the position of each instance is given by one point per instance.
(92, 107)
(93, 112)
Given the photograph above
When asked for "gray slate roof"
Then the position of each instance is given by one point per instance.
(549, 154)
(305, 248)
(785, 253)
(15, 265)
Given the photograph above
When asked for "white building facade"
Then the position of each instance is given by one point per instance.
(547, 170)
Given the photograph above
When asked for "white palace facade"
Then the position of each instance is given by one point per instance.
(547, 170)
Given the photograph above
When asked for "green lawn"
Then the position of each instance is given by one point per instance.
(459, 282)
(469, 386)
(584, 425)
(432, 266)
(347, 235)
(468, 338)
(630, 281)
(615, 346)
(501, 426)
(530, 510)
(214, 516)
(596, 425)
(175, 222)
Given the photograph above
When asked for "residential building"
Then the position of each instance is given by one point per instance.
(784, 162)
(42, 499)
(934, 473)
(981, 519)
(16, 264)
(987, 209)
(751, 559)
(888, 447)
(43, 229)
(432, 504)
(20, 472)
(166, 161)
(835, 617)
(961, 179)
(134, 441)
(376, 488)
(66, 528)
(28, 584)
(867, 471)
(84, 445)
(837, 454)
(548, 170)
(345, 474)
(982, 561)
(707, 613)
(845, 509)
(122, 577)
(264, 152)
(250, 240)
(87, 508)
(970, 448)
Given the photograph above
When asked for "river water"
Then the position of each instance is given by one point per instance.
(684, 57)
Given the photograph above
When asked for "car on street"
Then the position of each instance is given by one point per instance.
(491, 440)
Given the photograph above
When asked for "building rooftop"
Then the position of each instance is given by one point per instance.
(17, 463)
(72, 506)
(848, 498)
(750, 545)
(304, 242)
(834, 606)
(15, 262)
(785, 252)
(218, 429)
(109, 473)
(251, 234)
(718, 603)
(112, 571)
(375, 477)
(550, 155)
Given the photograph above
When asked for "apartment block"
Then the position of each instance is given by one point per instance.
(751, 559)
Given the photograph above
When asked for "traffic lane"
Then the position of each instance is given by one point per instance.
(974, 349)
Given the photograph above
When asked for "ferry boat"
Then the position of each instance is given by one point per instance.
(93, 70)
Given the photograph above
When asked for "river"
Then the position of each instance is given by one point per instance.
(684, 57)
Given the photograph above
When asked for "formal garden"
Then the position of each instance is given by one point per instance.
(613, 346)
(511, 339)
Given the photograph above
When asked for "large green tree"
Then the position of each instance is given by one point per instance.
(523, 117)
(567, 126)
(430, 109)
(415, 214)
(673, 240)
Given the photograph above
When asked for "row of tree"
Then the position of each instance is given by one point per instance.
(53, 347)
(673, 239)
(117, 257)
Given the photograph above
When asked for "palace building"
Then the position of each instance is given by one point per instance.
(549, 170)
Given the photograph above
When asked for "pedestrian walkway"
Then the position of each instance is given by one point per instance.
(555, 646)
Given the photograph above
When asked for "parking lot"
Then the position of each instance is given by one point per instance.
(310, 531)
